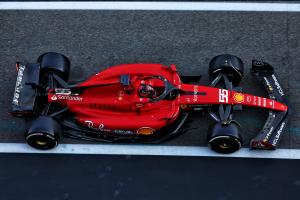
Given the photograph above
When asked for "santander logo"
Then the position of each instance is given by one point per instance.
(65, 97)
(53, 98)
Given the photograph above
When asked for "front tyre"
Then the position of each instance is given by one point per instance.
(229, 65)
(44, 133)
(225, 138)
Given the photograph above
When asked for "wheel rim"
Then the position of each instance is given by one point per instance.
(41, 141)
(225, 144)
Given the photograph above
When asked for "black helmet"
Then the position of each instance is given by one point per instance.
(146, 91)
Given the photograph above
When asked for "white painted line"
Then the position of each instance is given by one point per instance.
(117, 149)
(179, 6)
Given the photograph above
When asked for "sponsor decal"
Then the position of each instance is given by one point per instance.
(139, 105)
(248, 99)
(66, 97)
(53, 98)
(277, 85)
(195, 97)
(145, 131)
(223, 96)
(100, 127)
(18, 85)
(278, 134)
(90, 124)
(121, 132)
(264, 102)
(254, 100)
(268, 134)
(259, 101)
(269, 87)
(238, 97)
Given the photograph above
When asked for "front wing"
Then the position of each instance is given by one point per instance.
(269, 136)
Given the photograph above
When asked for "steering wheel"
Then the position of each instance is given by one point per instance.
(168, 88)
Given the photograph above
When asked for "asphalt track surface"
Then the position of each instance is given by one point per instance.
(61, 177)
(95, 40)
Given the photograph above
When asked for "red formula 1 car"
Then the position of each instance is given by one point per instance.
(145, 103)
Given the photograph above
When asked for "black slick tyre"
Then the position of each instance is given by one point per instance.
(56, 63)
(225, 138)
(229, 65)
(44, 133)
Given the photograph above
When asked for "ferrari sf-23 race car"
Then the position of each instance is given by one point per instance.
(145, 103)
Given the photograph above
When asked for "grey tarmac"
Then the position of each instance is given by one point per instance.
(95, 40)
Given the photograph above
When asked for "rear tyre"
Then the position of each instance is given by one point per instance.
(44, 133)
(56, 63)
(225, 138)
(227, 64)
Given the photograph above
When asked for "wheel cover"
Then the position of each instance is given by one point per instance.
(225, 144)
(41, 141)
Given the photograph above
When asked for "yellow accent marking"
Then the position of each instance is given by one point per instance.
(238, 97)
(41, 143)
(145, 131)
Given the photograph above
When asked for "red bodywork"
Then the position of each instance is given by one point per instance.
(108, 105)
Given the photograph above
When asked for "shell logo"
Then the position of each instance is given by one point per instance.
(238, 97)
(145, 131)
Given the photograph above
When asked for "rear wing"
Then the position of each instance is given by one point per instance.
(271, 133)
(25, 94)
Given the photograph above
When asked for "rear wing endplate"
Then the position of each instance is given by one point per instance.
(25, 94)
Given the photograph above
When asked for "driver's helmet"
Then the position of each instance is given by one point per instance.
(146, 91)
